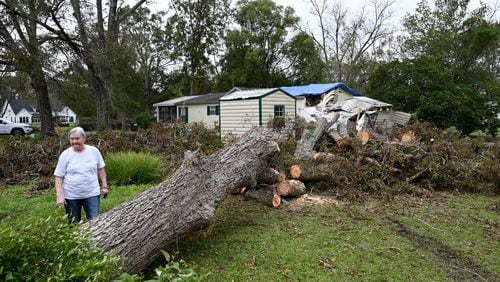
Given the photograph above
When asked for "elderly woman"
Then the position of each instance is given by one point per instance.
(76, 174)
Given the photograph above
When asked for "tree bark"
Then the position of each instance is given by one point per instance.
(305, 146)
(270, 176)
(140, 228)
(312, 172)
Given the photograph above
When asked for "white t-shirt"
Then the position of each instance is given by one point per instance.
(79, 172)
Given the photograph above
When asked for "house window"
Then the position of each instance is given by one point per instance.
(35, 118)
(279, 111)
(24, 119)
(212, 110)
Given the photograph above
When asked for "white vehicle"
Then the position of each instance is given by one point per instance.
(14, 128)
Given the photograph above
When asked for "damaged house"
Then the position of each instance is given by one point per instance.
(355, 111)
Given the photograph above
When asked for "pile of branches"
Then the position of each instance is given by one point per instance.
(24, 160)
(430, 160)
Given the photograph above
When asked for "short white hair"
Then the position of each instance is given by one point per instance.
(78, 130)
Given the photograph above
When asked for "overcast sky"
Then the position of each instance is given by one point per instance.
(302, 7)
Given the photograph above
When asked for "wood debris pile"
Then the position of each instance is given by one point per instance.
(416, 159)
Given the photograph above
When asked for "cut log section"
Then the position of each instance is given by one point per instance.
(408, 137)
(364, 137)
(311, 173)
(270, 176)
(291, 188)
(264, 194)
(141, 227)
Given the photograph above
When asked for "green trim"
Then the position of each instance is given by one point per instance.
(260, 111)
(220, 126)
(295, 111)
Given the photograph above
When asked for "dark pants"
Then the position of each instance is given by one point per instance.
(74, 208)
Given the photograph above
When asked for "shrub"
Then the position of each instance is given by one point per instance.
(133, 168)
(51, 250)
(144, 120)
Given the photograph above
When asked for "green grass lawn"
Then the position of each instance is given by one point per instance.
(330, 242)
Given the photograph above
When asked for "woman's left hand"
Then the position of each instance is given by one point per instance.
(104, 192)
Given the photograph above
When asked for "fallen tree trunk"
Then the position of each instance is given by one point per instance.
(141, 227)
(305, 146)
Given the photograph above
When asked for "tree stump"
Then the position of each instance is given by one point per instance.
(141, 227)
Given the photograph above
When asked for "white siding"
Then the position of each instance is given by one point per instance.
(277, 98)
(384, 120)
(238, 116)
(9, 114)
(301, 102)
(198, 113)
(23, 114)
(342, 95)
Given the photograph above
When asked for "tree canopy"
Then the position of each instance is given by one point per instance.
(112, 61)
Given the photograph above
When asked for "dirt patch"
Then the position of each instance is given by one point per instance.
(459, 267)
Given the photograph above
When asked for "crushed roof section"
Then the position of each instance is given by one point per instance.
(318, 89)
(359, 104)
(248, 94)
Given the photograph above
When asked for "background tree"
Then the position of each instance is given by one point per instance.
(449, 73)
(146, 35)
(93, 41)
(23, 46)
(71, 87)
(256, 50)
(352, 43)
(306, 65)
(195, 31)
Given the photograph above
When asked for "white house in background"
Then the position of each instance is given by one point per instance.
(203, 108)
(167, 111)
(241, 110)
(198, 108)
(26, 111)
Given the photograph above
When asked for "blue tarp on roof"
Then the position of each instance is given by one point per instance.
(317, 89)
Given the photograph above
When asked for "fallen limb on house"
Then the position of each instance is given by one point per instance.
(138, 229)
(305, 146)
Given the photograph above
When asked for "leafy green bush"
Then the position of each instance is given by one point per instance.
(133, 168)
(51, 250)
(144, 120)
(174, 270)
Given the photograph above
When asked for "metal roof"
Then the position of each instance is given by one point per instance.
(210, 98)
(317, 89)
(173, 102)
(248, 94)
